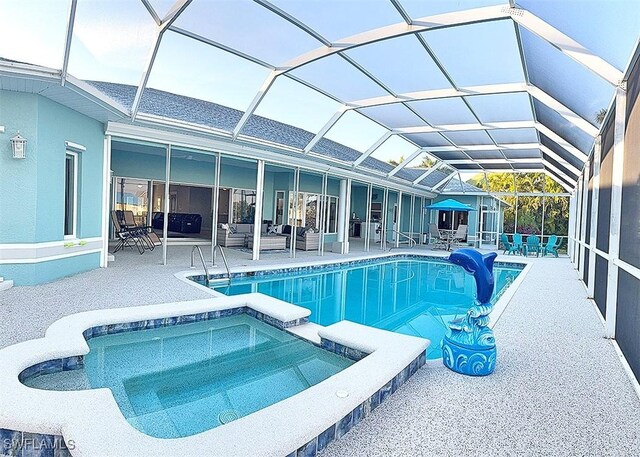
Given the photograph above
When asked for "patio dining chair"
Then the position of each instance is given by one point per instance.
(436, 238)
(507, 245)
(146, 232)
(551, 247)
(533, 245)
(126, 237)
(460, 235)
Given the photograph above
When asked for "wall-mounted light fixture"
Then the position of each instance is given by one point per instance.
(19, 146)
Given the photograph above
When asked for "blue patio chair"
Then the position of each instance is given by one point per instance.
(533, 245)
(506, 244)
(517, 243)
(551, 247)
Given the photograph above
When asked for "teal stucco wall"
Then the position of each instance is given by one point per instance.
(32, 189)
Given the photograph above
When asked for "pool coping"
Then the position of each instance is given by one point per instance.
(392, 358)
(498, 309)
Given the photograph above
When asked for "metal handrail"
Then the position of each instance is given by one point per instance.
(412, 242)
(204, 264)
(224, 259)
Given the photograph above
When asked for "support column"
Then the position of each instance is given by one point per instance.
(385, 220)
(165, 223)
(323, 205)
(421, 231)
(343, 214)
(595, 195)
(257, 220)
(345, 245)
(367, 224)
(294, 206)
(412, 216)
(616, 209)
(396, 234)
(583, 215)
(571, 232)
(106, 183)
(214, 206)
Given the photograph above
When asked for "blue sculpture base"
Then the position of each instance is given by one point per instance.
(472, 361)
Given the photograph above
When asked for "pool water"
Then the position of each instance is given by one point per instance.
(177, 381)
(414, 297)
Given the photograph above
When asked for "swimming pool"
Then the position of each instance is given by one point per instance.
(410, 295)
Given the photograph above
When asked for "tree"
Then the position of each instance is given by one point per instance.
(600, 115)
(426, 162)
(530, 208)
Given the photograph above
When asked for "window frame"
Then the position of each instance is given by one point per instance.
(74, 223)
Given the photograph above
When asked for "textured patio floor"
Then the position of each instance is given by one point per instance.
(558, 389)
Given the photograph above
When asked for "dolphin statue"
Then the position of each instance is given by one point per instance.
(471, 348)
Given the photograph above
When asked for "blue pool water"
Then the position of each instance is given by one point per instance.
(414, 297)
(177, 381)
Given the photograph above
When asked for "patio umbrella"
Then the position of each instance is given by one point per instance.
(450, 205)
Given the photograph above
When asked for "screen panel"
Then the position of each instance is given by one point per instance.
(45, 23)
(187, 67)
(247, 27)
(501, 107)
(336, 19)
(111, 44)
(564, 79)
(402, 64)
(628, 319)
(338, 77)
(630, 218)
(604, 196)
(562, 127)
(600, 284)
(479, 53)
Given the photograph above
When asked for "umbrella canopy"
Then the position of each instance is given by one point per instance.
(450, 205)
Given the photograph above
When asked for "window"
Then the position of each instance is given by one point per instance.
(70, 194)
(279, 208)
(332, 215)
(133, 195)
(243, 206)
(307, 214)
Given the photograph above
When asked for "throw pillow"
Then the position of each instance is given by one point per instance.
(233, 229)
(225, 227)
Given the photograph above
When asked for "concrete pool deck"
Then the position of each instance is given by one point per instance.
(558, 389)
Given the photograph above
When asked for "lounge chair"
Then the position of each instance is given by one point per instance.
(436, 238)
(533, 245)
(147, 234)
(126, 237)
(551, 247)
(460, 236)
(506, 244)
(517, 243)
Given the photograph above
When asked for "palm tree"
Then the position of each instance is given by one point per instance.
(600, 115)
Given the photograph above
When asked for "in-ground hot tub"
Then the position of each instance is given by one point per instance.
(174, 381)
(296, 396)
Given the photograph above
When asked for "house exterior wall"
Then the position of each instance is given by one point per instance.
(32, 244)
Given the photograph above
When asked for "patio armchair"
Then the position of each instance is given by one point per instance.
(126, 237)
(436, 238)
(551, 247)
(517, 243)
(146, 232)
(306, 240)
(507, 245)
(533, 245)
